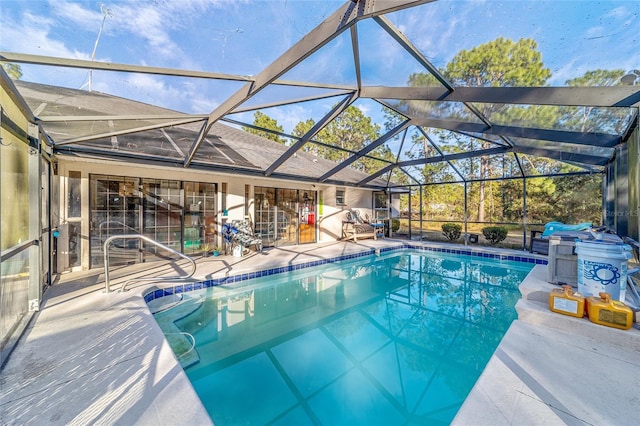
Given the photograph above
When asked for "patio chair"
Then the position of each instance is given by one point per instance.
(244, 236)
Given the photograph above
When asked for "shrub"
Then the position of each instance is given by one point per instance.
(451, 230)
(395, 225)
(494, 234)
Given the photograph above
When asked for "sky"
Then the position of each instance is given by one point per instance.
(244, 37)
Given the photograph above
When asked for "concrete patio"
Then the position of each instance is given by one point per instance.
(94, 358)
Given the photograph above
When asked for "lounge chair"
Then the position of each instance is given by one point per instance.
(355, 227)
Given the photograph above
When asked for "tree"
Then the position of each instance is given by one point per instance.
(14, 70)
(262, 120)
(351, 131)
(591, 119)
(499, 63)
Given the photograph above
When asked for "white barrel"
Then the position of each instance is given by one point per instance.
(602, 267)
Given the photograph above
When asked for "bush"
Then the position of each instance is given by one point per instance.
(494, 234)
(451, 230)
(395, 225)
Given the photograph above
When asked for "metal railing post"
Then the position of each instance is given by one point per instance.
(107, 243)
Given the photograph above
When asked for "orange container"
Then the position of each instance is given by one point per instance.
(605, 311)
(566, 301)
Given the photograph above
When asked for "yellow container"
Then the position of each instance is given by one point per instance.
(566, 301)
(612, 313)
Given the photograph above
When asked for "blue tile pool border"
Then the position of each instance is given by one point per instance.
(155, 293)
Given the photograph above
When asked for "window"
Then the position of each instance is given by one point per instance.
(247, 189)
(223, 206)
(380, 206)
(74, 204)
(341, 198)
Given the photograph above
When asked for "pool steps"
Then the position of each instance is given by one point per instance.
(166, 314)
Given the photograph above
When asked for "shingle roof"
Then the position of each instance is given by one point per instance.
(224, 146)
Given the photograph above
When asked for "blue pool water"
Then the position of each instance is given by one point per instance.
(397, 339)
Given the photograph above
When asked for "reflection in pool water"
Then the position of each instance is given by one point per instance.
(395, 339)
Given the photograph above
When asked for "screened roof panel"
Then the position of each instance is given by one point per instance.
(448, 142)
(571, 40)
(433, 172)
(369, 165)
(306, 163)
(433, 110)
(165, 92)
(595, 151)
(295, 61)
(392, 147)
(578, 119)
(495, 139)
(416, 146)
(354, 128)
(331, 64)
(276, 94)
(289, 116)
(488, 167)
(383, 60)
(79, 131)
(534, 165)
(415, 174)
(316, 161)
(397, 177)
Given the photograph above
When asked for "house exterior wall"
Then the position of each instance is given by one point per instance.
(334, 214)
(330, 215)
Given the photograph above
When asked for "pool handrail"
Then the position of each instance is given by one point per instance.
(107, 243)
(190, 337)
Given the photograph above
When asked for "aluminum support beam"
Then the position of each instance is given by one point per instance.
(562, 155)
(329, 29)
(14, 94)
(441, 158)
(337, 110)
(373, 145)
(578, 138)
(293, 101)
(23, 58)
(606, 96)
(146, 117)
(437, 148)
(356, 55)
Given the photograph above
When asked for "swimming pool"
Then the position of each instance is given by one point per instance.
(393, 339)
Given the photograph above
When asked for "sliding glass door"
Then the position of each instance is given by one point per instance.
(307, 211)
(285, 216)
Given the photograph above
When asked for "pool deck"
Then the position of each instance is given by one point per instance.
(553, 369)
(88, 357)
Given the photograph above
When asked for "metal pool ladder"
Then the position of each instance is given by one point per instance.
(107, 243)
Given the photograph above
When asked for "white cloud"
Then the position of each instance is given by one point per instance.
(38, 41)
(203, 105)
(74, 14)
(288, 117)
